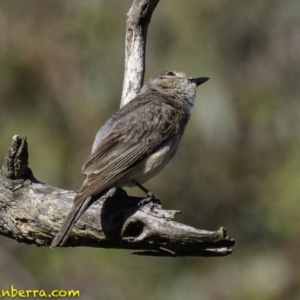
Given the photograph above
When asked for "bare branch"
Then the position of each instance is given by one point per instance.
(31, 212)
(138, 19)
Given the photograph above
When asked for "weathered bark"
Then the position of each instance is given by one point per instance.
(32, 212)
(138, 19)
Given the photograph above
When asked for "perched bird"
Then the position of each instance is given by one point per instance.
(136, 142)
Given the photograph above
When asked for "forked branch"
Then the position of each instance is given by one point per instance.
(31, 212)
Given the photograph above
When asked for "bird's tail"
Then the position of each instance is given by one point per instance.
(70, 220)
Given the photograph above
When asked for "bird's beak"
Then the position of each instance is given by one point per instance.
(199, 80)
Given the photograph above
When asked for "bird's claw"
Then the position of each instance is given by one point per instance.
(151, 199)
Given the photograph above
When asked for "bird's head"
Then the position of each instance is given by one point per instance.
(174, 84)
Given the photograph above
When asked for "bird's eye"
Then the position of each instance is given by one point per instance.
(170, 73)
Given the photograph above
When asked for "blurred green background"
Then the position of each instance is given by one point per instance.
(61, 73)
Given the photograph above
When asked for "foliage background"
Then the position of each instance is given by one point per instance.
(239, 163)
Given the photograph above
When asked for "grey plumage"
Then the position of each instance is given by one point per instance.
(136, 142)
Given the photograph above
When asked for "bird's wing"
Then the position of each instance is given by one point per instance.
(134, 136)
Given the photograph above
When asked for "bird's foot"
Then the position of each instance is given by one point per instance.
(151, 199)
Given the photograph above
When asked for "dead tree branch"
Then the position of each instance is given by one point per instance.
(138, 19)
(31, 212)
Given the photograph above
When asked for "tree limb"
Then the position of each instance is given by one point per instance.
(138, 19)
(32, 212)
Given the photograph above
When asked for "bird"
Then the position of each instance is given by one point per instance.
(136, 143)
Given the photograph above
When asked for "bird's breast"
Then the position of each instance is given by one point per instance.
(154, 163)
